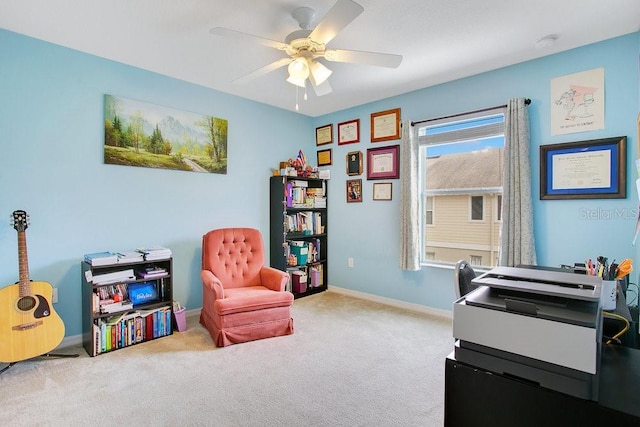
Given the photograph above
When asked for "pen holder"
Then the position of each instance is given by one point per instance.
(608, 295)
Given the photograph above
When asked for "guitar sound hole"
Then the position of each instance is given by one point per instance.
(26, 303)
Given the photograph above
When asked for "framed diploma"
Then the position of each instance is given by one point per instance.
(383, 162)
(382, 190)
(594, 169)
(354, 163)
(324, 157)
(324, 134)
(385, 125)
(349, 132)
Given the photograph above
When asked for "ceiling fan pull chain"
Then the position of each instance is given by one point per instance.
(297, 108)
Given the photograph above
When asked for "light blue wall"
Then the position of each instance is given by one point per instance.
(51, 165)
(368, 231)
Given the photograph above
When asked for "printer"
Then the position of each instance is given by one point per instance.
(536, 325)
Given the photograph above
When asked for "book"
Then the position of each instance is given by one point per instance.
(153, 253)
(101, 258)
(116, 276)
(116, 306)
(130, 256)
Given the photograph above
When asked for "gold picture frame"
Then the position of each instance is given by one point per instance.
(385, 125)
(324, 134)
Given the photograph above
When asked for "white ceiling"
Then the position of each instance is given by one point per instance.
(440, 40)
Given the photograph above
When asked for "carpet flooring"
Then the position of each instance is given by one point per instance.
(350, 362)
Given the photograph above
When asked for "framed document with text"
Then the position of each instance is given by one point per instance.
(382, 190)
(349, 132)
(383, 162)
(385, 125)
(593, 169)
(324, 134)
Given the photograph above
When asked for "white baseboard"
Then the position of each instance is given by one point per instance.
(393, 302)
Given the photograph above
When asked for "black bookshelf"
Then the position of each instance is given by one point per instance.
(138, 320)
(287, 220)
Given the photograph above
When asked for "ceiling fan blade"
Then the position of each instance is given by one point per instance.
(321, 89)
(238, 35)
(361, 57)
(338, 17)
(263, 70)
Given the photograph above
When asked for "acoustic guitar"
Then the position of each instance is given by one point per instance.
(29, 327)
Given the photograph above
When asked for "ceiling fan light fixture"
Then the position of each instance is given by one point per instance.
(298, 69)
(319, 72)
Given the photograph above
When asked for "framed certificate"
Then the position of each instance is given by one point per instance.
(383, 162)
(324, 134)
(593, 169)
(382, 190)
(324, 157)
(354, 163)
(349, 132)
(385, 125)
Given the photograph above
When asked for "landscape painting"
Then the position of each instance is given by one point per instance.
(147, 135)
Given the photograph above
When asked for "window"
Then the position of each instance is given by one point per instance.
(477, 208)
(461, 163)
(429, 211)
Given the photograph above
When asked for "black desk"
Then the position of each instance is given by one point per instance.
(476, 397)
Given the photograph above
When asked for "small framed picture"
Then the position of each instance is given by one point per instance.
(354, 163)
(382, 190)
(349, 132)
(324, 134)
(354, 190)
(385, 125)
(383, 162)
(324, 157)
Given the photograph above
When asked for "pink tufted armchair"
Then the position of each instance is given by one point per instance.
(242, 299)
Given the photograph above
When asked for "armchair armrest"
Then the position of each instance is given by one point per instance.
(273, 278)
(209, 280)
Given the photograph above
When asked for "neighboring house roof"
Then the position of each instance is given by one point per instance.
(459, 171)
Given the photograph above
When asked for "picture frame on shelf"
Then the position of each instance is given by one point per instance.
(383, 162)
(382, 190)
(324, 157)
(354, 190)
(324, 134)
(385, 125)
(593, 169)
(349, 132)
(354, 163)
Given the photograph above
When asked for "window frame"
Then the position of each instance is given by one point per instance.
(495, 129)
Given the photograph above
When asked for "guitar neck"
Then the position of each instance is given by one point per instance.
(23, 265)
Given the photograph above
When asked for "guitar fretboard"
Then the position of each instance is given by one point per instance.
(23, 265)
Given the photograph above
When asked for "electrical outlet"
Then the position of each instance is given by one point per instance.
(350, 262)
(54, 296)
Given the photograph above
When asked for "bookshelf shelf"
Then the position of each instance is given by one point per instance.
(299, 231)
(127, 309)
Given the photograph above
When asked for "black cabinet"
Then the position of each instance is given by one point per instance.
(298, 232)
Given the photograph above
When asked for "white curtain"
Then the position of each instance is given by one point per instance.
(409, 199)
(517, 245)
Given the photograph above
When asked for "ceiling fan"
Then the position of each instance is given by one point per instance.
(305, 46)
